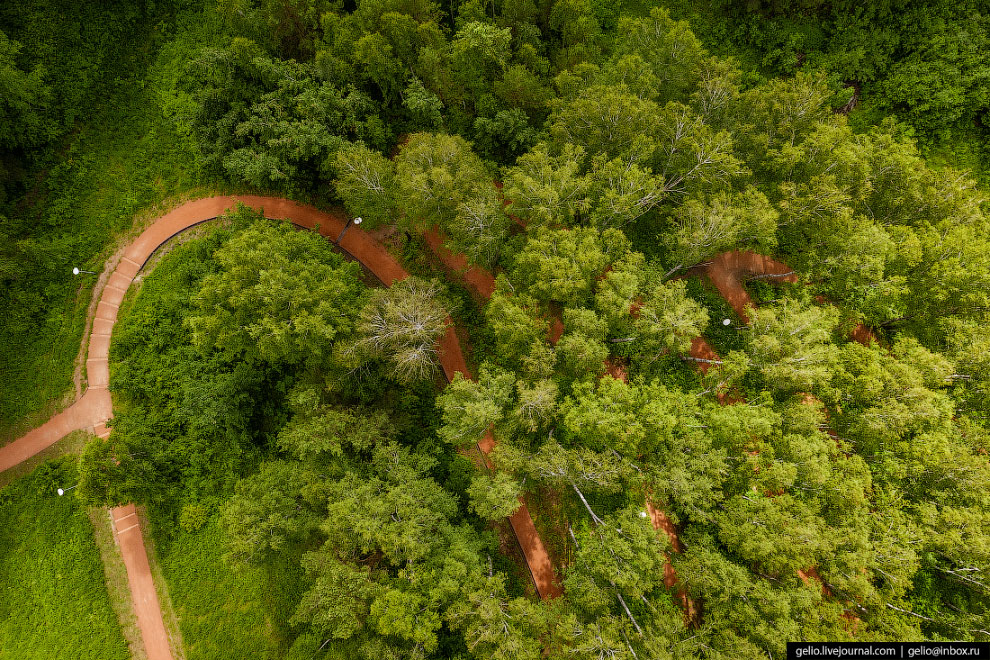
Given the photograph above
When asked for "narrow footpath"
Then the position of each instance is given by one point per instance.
(127, 533)
(727, 272)
(94, 408)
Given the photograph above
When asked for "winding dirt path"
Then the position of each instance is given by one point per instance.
(94, 408)
(478, 279)
(727, 272)
(482, 284)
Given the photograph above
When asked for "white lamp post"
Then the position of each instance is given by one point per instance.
(356, 221)
(76, 271)
(63, 491)
(726, 321)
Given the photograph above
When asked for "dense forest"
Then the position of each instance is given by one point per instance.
(596, 158)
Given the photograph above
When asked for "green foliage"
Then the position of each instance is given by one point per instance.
(494, 497)
(273, 123)
(55, 598)
(177, 402)
(25, 97)
(562, 265)
(112, 69)
(703, 228)
(674, 55)
(266, 512)
(190, 419)
(401, 325)
(470, 407)
(102, 480)
(497, 626)
(917, 61)
(193, 516)
(852, 477)
(280, 296)
(789, 344)
(53, 59)
(668, 320)
(545, 188)
(623, 552)
(366, 183)
(442, 182)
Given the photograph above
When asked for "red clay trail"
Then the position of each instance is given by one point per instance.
(94, 408)
(452, 360)
(727, 270)
(479, 279)
(127, 532)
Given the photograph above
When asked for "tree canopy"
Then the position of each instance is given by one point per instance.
(712, 476)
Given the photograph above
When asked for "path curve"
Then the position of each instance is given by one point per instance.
(727, 270)
(94, 408)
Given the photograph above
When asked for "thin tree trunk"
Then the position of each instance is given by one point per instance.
(694, 359)
(629, 645)
(772, 275)
(626, 608)
(587, 506)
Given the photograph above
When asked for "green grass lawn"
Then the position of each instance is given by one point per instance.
(53, 595)
(226, 611)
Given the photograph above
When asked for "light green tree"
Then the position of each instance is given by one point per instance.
(366, 183)
(706, 226)
(668, 320)
(515, 321)
(675, 56)
(563, 265)
(402, 325)
(790, 344)
(498, 626)
(436, 174)
(280, 295)
(469, 408)
(608, 121)
(547, 189)
(494, 496)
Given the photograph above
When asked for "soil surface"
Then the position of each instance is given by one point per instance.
(728, 270)
(127, 532)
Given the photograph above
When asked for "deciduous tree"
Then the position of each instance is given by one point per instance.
(790, 344)
(280, 295)
(402, 325)
(366, 183)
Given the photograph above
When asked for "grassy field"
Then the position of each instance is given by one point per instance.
(53, 594)
(225, 611)
(126, 159)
